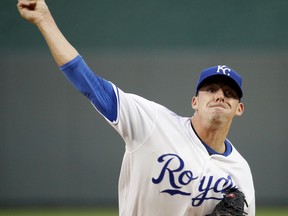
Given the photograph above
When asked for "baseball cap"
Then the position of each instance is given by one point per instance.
(224, 72)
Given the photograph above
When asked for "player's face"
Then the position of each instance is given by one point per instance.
(217, 102)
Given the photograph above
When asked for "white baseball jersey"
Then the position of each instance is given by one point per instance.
(166, 170)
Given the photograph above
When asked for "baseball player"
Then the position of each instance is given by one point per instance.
(173, 165)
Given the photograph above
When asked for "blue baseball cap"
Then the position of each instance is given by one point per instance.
(224, 72)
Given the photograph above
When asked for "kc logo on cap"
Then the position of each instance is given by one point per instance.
(223, 69)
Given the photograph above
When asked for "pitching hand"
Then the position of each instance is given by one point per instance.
(33, 10)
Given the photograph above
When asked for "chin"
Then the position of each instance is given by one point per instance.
(218, 119)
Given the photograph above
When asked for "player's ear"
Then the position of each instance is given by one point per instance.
(194, 102)
(240, 109)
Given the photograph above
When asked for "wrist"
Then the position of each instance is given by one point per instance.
(45, 21)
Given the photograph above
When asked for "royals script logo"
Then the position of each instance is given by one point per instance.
(178, 177)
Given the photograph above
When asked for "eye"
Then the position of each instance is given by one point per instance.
(230, 93)
(211, 89)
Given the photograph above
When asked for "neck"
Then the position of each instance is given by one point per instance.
(212, 135)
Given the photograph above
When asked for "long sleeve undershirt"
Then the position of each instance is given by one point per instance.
(98, 90)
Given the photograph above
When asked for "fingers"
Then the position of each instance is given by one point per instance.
(33, 10)
(25, 4)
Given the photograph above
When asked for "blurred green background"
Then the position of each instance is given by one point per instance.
(108, 212)
(56, 150)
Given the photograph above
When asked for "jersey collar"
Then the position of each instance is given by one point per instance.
(228, 146)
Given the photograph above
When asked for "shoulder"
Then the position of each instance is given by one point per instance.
(240, 162)
(130, 100)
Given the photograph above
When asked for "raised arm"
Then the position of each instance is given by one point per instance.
(98, 90)
(37, 12)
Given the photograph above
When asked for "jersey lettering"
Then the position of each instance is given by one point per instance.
(184, 177)
(174, 170)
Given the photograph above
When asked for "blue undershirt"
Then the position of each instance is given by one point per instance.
(98, 90)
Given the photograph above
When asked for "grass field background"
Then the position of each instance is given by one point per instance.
(264, 211)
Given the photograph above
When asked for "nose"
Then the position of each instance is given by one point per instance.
(219, 96)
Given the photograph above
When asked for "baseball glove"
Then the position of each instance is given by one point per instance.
(232, 204)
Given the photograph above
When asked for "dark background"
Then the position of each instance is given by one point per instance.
(55, 149)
